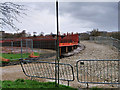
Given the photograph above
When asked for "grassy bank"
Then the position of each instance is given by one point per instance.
(21, 83)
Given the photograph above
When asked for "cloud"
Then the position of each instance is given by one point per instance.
(39, 18)
(103, 15)
(73, 17)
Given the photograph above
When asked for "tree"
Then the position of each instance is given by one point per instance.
(9, 13)
(95, 32)
(28, 34)
(41, 34)
(34, 34)
(23, 33)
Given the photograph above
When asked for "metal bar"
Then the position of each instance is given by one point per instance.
(100, 71)
(81, 71)
(84, 72)
(12, 46)
(101, 66)
(97, 71)
(87, 71)
(111, 72)
(114, 71)
(104, 71)
(68, 83)
(21, 49)
(39, 67)
(107, 69)
(90, 72)
(119, 73)
(26, 46)
(32, 44)
(98, 60)
(32, 68)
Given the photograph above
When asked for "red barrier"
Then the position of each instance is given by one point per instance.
(66, 40)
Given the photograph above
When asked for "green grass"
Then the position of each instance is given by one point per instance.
(16, 56)
(36, 54)
(96, 88)
(21, 83)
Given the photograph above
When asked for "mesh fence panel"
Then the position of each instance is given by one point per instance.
(107, 41)
(42, 69)
(98, 71)
(16, 49)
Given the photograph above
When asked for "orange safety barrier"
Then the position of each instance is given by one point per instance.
(3, 59)
(67, 44)
(32, 55)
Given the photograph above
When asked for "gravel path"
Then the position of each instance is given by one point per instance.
(92, 51)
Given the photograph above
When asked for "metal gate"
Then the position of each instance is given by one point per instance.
(98, 71)
(41, 69)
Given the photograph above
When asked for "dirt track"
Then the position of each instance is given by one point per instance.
(92, 51)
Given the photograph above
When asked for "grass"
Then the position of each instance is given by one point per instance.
(21, 83)
(96, 88)
(16, 56)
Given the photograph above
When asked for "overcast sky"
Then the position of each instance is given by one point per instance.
(73, 17)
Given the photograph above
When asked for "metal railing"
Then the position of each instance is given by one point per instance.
(41, 69)
(106, 40)
(98, 71)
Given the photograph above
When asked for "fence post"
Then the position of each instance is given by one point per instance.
(87, 85)
(12, 46)
(68, 83)
(21, 49)
(26, 45)
(32, 44)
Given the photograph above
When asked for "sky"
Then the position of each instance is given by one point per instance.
(73, 17)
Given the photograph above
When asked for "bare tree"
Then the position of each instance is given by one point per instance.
(41, 34)
(9, 12)
(34, 34)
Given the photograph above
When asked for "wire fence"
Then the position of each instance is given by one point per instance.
(98, 71)
(40, 48)
(107, 41)
(16, 49)
(46, 47)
